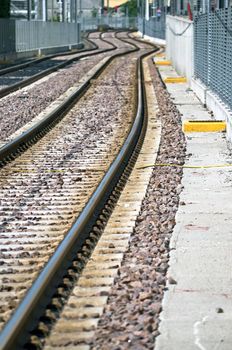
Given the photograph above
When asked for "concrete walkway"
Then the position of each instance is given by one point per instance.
(197, 310)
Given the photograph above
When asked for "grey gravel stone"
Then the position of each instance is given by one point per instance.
(134, 302)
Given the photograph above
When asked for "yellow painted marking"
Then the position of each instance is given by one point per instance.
(186, 166)
(175, 80)
(163, 63)
(203, 126)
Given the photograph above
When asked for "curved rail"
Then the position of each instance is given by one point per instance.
(16, 331)
(9, 89)
(15, 67)
(20, 143)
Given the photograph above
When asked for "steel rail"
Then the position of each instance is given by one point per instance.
(9, 89)
(13, 148)
(32, 62)
(16, 332)
(153, 45)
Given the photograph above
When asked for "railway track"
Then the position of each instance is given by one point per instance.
(22, 106)
(20, 64)
(50, 185)
(14, 78)
(77, 322)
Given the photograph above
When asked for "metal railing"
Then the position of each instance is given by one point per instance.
(154, 27)
(7, 36)
(186, 8)
(32, 34)
(213, 52)
(23, 36)
(108, 22)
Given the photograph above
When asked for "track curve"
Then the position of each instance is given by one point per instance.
(55, 176)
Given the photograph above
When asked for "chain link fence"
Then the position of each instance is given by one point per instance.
(213, 52)
(31, 35)
(24, 36)
(7, 36)
(108, 22)
(154, 27)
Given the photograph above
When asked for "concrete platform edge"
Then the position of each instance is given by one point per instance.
(213, 103)
(196, 308)
(153, 40)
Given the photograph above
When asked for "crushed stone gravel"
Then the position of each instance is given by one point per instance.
(131, 317)
(18, 109)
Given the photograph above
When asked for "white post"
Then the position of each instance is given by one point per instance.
(60, 10)
(204, 6)
(147, 10)
(36, 9)
(44, 10)
(68, 9)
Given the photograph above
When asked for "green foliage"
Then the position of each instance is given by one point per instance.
(130, 7)
(94, 12)
(56, 18)
(5, 9)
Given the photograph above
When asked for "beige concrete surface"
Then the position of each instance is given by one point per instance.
(197, 310)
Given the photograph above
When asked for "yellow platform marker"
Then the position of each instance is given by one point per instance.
(175, 80)
(163, 63)
(203, 126)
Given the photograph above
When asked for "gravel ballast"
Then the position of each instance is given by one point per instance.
(44, 190)
(18, 109)
(131, 317)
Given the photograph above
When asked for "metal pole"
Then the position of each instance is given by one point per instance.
(75, 11)
(80, 8)
(63, 10)
(44, 10)
(36, 9)
(71, 10)
(52, 11)
(28, 10)
(138, 7)
(73, 18)
(147, 10)
(143, 15)
(208, 43)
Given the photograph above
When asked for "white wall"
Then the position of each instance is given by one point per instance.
(220, 110)
(179, 50)
(180, 47)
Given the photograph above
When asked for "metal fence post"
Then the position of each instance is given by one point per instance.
(208, 43)
(143, 17)
(28, 10)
